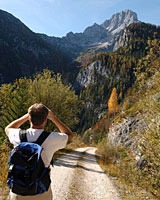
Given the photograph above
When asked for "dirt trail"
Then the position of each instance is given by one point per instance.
(77, 176)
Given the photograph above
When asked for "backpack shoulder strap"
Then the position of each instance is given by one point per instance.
(23, 136)
(42, 137)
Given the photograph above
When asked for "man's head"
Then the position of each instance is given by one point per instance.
(38, 114)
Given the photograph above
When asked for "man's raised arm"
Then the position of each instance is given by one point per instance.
(61, 126)
(17, 123)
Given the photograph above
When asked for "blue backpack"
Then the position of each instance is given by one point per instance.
(27, 174)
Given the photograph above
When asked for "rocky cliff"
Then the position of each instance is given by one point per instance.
(127, 134)
(122, 40)
(119, 21)
(87, 74)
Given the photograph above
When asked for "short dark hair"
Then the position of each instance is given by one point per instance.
(38, 113)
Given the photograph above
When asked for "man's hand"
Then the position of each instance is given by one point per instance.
(50, 115)
(61, 126)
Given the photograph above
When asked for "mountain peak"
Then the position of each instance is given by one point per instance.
(101, 36)
(127, 11)
(120, 20)
(95, 27)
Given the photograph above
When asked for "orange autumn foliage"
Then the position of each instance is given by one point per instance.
(113, 106)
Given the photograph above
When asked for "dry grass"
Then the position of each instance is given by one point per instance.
(119, 163)
(108, 152)
(4, 155)
(76, 142)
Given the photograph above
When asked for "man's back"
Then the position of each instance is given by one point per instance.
(38, 115)
(54, 142)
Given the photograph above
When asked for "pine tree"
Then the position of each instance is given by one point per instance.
(14, 101)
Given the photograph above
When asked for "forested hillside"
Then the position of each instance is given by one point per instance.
(106, 71)
(24, 53)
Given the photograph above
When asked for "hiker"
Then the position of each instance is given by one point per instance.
(38, 114)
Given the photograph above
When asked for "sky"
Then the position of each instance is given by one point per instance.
(58, 17)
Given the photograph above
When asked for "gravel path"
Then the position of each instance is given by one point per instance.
(77, 176)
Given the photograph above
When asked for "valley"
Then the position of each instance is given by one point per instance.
(107, 80)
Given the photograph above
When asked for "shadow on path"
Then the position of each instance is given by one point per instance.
(67, 160)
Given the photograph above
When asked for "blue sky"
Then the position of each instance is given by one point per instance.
(58, 17)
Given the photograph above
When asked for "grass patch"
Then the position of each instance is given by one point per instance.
(4, 155)
(120, 163)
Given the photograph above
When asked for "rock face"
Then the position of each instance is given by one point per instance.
(119, 21)
(122, 40)
(126, 134)
(87, 75)
(120, 134)
(93, 73)
(101, 37)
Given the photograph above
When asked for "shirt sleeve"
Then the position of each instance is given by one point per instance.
(13, 136)
(61, 140)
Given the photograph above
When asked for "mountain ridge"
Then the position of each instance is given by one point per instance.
(100, 36)
(24, 52)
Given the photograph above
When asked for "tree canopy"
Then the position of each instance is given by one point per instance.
(46, 88)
